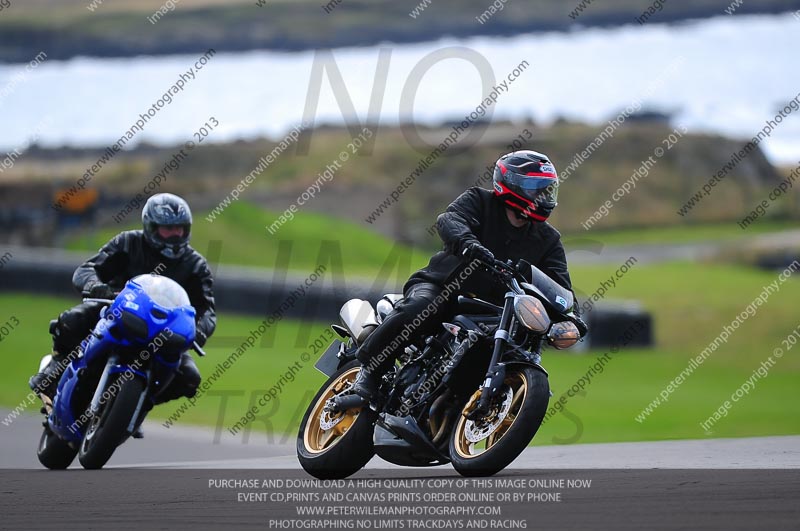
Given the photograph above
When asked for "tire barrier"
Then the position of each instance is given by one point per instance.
(251, 291)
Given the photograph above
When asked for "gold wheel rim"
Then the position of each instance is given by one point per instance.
(470, 450)
(317, 440)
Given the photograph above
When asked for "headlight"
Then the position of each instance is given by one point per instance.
(531, 313)
(563, 335)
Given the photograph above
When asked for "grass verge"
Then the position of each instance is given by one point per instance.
(690, 304)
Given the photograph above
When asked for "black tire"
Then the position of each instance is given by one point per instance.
(349, 451)
(53, 452)
(500, 452)
(108, 430)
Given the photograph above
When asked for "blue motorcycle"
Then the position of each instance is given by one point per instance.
(127, 361)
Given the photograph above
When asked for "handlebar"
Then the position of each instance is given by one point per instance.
(504, 269)
(510, 272)
(101, 301)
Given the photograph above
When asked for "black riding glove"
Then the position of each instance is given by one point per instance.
(474, 250)
(99, 290)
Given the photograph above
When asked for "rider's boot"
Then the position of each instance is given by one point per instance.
(366, 384)
(361, 394)
(365, 389)
(138, 433)
(46, 381)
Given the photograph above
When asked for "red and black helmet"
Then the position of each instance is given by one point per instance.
(527, 181)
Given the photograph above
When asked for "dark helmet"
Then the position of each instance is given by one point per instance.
(527, 181)
(167, 209)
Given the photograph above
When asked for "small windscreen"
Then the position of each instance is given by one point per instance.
(164, 291)
(556, 294)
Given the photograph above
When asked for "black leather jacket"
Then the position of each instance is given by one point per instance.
(477, 215)
(128, 255)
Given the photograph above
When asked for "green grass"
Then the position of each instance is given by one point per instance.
(309, 239)
(683, 233)
(690, 304)
(301, 244)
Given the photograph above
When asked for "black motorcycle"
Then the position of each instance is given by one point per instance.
(473, 395)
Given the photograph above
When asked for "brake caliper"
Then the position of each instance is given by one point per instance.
(476, 431)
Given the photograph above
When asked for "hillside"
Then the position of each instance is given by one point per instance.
(364, 182)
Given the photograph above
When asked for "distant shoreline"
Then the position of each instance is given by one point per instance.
(23, 40)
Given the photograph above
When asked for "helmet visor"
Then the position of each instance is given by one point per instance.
(541, 190)
(173, 234)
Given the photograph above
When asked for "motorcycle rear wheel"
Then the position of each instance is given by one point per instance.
(345, 447)
(107, 430)
(509, 428)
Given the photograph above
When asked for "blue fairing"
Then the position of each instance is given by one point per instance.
(152, 314)
(62, 417)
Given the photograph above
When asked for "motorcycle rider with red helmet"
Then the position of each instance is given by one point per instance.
(508, 223)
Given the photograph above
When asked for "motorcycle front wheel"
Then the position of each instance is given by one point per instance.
(54, 453)
(334, 446)
(108, 429)
(487, 446)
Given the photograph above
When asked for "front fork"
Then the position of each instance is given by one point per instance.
(496, 373)
(97, 399)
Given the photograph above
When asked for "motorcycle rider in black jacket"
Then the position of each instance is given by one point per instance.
(508, 223)
(162, 247)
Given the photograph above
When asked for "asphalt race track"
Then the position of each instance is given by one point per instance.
(202, 448)
(166, 480)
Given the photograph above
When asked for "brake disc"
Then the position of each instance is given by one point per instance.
(480, 430)
(328, 419)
